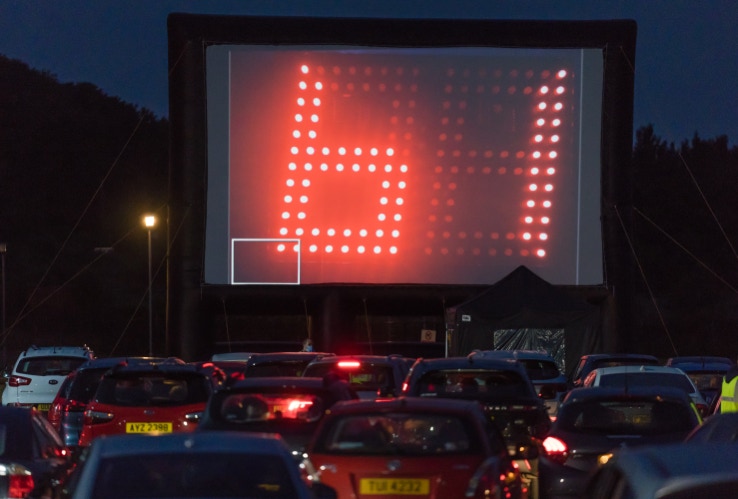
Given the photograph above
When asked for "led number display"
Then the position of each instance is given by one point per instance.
(357, 165)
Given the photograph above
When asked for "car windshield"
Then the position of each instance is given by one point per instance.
(194, 474)
(251, 407)
(55, 365)
(480, 384)
(153, 389)
(85, 384)
(648, 379)
(644, 417)
(540, 369)
(398, 433)
(290, 368)
(362, 376)
(707, 381)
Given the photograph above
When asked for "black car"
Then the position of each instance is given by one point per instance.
(289, 406)
(593, 422)
(33, 459)
(503, 388)
(372, 376)
(587, 363)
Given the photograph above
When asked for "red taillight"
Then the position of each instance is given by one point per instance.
(349, 364)
(96, 417)
(20, 480)
(18, 381)
(555, 449)
(74, 406)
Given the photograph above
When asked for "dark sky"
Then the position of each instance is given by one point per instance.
(686, 68)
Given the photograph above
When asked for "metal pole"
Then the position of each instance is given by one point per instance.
(3, 250)
(151, 308)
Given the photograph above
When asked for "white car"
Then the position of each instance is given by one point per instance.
(39, 372)
(625, 376)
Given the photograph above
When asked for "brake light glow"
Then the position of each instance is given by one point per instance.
(556, 449)
(349, 364)
(97, 417)
(18, 381)
(20, 480)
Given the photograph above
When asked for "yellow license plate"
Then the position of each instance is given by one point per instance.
(43, 407)
(148, 427)
(394, 486)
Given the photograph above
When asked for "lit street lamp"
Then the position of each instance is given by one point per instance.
(150, 222)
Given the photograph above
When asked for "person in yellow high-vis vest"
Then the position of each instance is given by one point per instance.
(728, 394)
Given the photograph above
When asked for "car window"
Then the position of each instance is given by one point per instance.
(84, 386)
(637, 417)
(47, 442)
(291, 368)
(648, 379)
(364, 376)
(153, 389)
(196, 474)
(540, 369)
(56, 365)
(481, 383)
(397, 433)
(250, 407)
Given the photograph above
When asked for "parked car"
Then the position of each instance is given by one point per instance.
(372, 376)
(38, 373)
(593, 422)
(33, 459)
(66, 414)
(434, 448)
(593, 361)
(195, 465)
(280, 363)
(289, 406)
(675, 471)
(158, 398)
(630, 376)
(707, 373)
(550, 383)
(504, 390)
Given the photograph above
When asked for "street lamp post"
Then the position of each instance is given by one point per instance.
(150, 222)
(3, 250)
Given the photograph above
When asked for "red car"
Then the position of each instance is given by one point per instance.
(431, 448)
(155, 399)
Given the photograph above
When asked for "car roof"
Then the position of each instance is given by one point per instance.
(637, 369)
(471, 362)
(617, 356)
(611, 393)
(114, 361)
(147, 368)
(416, 404)
(200, 441)
(362, 358)
(656, 467)
(516, 354)
(695, 363)
(289, 381)
(72, 351)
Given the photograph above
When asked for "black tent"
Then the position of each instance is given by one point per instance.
(523, 311)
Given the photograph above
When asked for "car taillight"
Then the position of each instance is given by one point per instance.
(74, 406)
(349, 364)
(18, 381)
(97, 417)
(555, 449)
(20, 480)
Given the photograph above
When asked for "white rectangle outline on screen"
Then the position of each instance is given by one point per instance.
(299, 254)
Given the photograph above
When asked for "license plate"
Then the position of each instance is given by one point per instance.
(394, 486)
(148, 427)
(43, 407)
